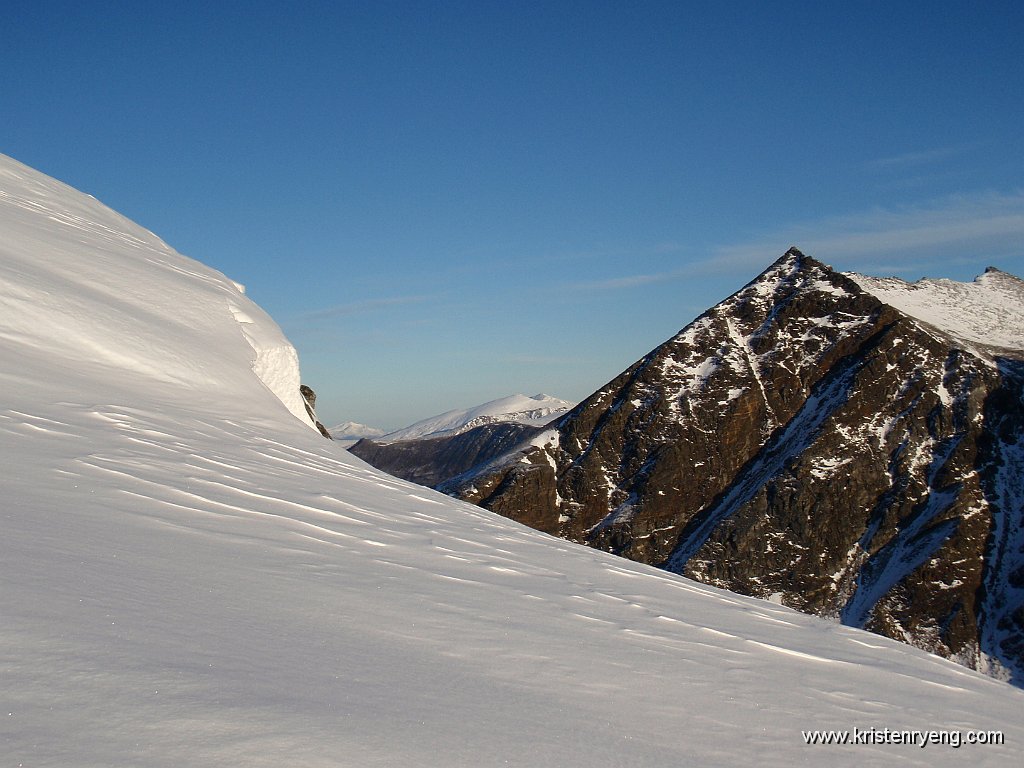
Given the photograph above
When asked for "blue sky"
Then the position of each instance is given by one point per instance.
(443, 203)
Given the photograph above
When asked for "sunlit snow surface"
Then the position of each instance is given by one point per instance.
(985, 313)
(191, 576)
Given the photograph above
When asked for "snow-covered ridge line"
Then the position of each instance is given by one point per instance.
(536, 410)
(111, 294)
(988, 312)
(351, 430)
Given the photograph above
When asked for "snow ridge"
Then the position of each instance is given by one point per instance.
(985, 313)
(110, 295)
(352, 430)
(537, 410)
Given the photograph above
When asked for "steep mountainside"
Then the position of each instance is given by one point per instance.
(844, 445)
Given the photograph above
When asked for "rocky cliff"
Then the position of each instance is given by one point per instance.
(847, 446)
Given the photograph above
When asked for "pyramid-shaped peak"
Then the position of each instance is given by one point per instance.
(998, 276)
(794, 252)
(801, 262)
(794, 268)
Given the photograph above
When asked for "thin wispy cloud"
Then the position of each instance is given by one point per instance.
(913, 159)
(945, 231)
(950, 232)
(528, 358)
(659, 250)
(629, 281)
(363, 307)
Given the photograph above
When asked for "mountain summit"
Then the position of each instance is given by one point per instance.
(845, 445)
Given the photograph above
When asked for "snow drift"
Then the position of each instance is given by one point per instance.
(88, 288)
(191, 575)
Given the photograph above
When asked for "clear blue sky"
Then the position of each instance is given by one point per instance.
(444, 203)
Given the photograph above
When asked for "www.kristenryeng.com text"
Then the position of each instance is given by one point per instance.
(918, 738)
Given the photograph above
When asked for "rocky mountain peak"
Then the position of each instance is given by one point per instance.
(843, 444)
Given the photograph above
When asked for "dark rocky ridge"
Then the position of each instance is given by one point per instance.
(807, 443)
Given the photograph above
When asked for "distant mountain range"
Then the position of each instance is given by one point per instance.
(351, 430)
(435, 449)
(846, 445)
(520, 409)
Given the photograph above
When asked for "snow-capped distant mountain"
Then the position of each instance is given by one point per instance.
(351, 430)
(192, 576)
(520, 409)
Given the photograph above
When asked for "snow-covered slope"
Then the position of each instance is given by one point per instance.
(84, 285)
(985, 313)
(190, 575)
(522, 409)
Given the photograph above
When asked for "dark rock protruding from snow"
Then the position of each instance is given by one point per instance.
(309, 399)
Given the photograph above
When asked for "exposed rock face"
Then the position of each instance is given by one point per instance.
(806, 442)
(309, 399)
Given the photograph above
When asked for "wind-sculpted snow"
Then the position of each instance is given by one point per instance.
(183, 589)
(83, 284)
(189, 576)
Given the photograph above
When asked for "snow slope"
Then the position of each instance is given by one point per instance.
(985, 313)
(190, 575)
(537, 410)
(84, 285)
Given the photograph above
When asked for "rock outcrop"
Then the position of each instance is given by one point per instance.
(309, 400)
